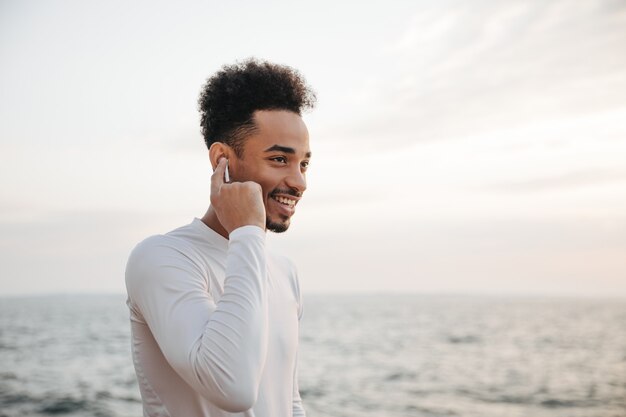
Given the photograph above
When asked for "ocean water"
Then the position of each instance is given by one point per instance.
(360, 355)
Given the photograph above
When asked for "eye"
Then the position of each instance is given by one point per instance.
(279, 159)
(305, 164)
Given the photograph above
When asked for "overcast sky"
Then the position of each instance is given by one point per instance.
(459, 146)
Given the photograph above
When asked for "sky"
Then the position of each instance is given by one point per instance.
(458, 147)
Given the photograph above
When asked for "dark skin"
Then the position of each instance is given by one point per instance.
(267, 181)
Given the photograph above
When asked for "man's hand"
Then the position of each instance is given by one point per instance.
(236, 204)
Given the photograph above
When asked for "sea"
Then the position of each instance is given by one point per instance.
(361, 355)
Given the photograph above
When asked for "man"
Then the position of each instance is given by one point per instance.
(214, 316)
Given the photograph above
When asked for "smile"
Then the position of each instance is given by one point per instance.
(283, 200)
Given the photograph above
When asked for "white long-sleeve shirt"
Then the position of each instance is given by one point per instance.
(214, 325)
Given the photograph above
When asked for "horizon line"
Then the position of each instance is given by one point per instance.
(470, 294)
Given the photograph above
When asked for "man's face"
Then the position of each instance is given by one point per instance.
(276, 156)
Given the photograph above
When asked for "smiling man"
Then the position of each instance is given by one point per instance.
(214, 314)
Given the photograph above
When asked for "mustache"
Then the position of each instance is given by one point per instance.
(288, 191)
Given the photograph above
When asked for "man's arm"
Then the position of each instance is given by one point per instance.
(298, 409)
(219, 349)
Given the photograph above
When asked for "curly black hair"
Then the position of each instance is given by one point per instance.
(229, 99)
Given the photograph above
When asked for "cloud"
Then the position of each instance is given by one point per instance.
(571, 179)
(462, 69)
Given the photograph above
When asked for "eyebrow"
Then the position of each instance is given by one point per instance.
(284, 149)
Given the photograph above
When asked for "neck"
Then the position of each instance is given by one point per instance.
(211, 220)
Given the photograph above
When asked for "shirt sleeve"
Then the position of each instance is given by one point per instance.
(219, 349)
(298, 409)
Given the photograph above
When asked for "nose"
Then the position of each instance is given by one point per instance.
(297, 180)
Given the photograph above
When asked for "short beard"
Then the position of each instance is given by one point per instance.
(280, 227)
(276, 227)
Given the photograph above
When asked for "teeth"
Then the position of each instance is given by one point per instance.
(284, 200)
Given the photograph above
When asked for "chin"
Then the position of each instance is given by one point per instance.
(277, 227)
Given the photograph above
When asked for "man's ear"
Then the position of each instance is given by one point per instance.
(219, 150)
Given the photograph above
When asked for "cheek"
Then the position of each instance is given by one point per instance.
(267, 189)
(264, 176)
(268, 183)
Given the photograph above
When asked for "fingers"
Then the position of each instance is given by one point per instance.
(217, 179)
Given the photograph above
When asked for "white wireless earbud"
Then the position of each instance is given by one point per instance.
(226, 173)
